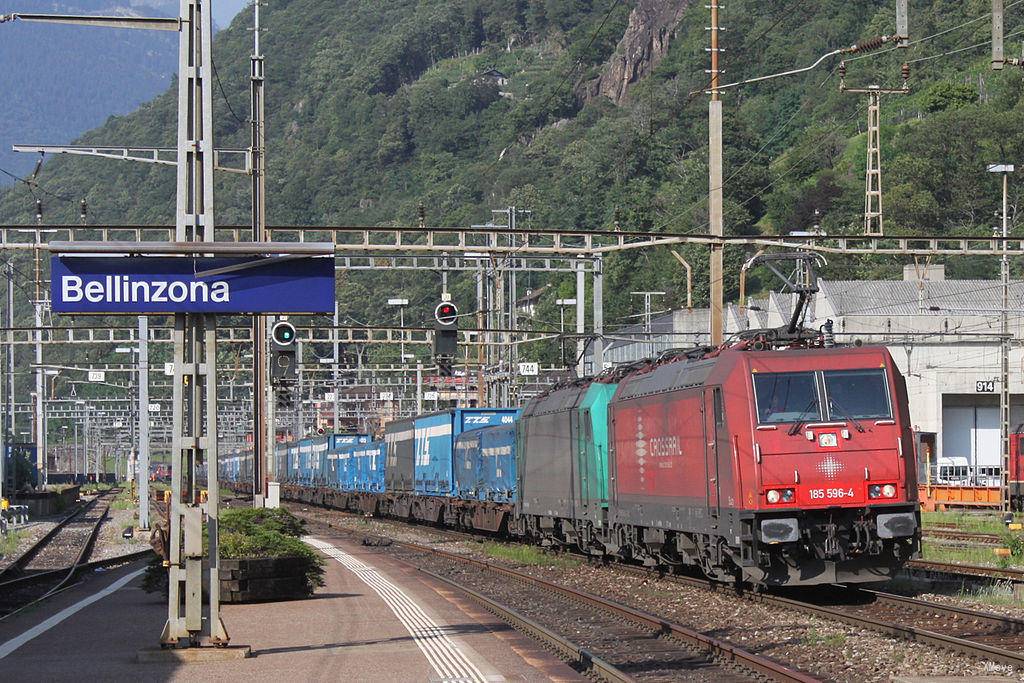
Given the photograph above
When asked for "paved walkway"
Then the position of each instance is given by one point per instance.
(374, 620)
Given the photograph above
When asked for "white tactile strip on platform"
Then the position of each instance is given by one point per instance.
(450, 663)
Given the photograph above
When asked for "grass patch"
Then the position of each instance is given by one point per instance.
(815, 637)
(999, 594)
(983, 557)
(527, 555)
(9, 542)
(123, 501)
(975, 523)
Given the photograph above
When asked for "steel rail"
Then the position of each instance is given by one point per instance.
(19, 563)
(968, 571)
(578, 657)
(955, 535)
(904, 632)
(29, 579)
(69, 572)
(1013, 624)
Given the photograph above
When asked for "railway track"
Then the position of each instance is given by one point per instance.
(968, 537)
(966, 572)
(983, 635)
(53, 561)
(609, 641)
(977, 634)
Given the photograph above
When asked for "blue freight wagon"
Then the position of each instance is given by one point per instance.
(433, 441)
(369, 465)
(305, 460)
(293, 463)
(340, 473)
(347, 468)
(281, 462)
(485, 464)
(343, 440)
(318, 460)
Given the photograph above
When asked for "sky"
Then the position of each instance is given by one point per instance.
(225, 10)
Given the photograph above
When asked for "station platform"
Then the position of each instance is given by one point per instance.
(375, 620)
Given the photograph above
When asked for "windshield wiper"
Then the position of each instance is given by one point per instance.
(800, 418)
(846, 413)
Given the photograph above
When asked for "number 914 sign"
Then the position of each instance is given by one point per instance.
(985, 386)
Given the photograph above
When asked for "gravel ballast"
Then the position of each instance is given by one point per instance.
(823, 648)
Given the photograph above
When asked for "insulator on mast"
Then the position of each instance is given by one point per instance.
(39, 210)
(869, 44)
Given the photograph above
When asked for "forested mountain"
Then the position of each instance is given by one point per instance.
(59, 81)
(585, 112)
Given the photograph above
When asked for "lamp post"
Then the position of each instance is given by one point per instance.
(1004, 345)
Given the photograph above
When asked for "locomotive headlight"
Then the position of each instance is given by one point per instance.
(889, 491)
(774, 496)
(828, 440)
(787, 495)
(874, 491)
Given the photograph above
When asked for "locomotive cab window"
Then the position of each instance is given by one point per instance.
(786, 397)
(857, 394)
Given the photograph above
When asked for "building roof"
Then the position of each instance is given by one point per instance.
(899, 297)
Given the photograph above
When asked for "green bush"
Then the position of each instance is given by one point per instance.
(249, 521)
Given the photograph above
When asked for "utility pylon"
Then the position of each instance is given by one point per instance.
(873, 222)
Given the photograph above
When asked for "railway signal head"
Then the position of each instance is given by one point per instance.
(446, 314)
(283, 354)
(283, 334)
(446, 333)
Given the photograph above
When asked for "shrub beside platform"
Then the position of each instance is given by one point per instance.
(263, 558)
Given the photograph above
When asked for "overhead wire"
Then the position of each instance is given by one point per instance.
(224, 96)
(35, 185)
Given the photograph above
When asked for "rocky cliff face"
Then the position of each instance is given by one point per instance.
(645, 42)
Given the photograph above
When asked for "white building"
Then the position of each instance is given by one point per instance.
(943, 335)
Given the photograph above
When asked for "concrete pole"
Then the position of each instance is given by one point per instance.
(11, 418)
(715, 215)
(337, 358)
(143, 462)
(39, 422)
(581, 312)
(997, 34)
(85, 444)
(1004, 359)
(262, 448)
(598, 284)
(419, 387)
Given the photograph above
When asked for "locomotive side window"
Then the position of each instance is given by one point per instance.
(857, 394)
(786, 397)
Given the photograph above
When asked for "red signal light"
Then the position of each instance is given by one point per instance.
(446, 313)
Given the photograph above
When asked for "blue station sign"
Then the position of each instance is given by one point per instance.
(178, 284)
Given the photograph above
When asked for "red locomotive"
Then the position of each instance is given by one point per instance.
(782, 467)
